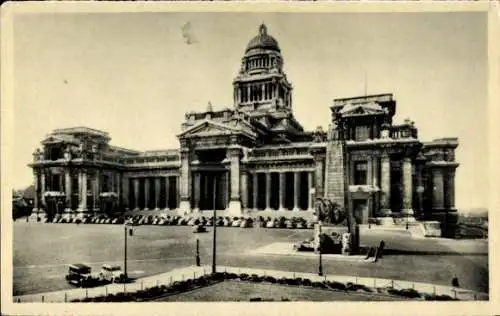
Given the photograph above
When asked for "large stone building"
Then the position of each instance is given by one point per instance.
(256, 158)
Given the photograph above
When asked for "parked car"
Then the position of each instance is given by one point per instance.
(79, 274)
(270, 224)
(306, 245)
(112, 274)
(199, 229)
(236, 223)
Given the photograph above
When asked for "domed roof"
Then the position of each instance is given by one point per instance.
(263, 41)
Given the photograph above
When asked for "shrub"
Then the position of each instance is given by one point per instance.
(255, 299)
(306, 282)
(319, 285)
(282, 280)
(410, 293)
(243, 276)
(270, 279)
(337, 285)
(232, 276)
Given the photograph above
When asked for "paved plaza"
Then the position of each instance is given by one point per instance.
(154, 250)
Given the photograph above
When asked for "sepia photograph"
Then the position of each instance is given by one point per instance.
(248, 156)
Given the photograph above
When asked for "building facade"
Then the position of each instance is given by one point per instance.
(256, 158)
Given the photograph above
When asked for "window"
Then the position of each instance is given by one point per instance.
(360, 172)
(362, 132)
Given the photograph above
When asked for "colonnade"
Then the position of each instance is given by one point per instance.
(280, 190)
(152, 193)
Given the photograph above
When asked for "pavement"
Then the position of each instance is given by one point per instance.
(194, 271)
(286, 249)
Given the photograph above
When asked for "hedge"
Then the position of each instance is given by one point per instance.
(206, 280)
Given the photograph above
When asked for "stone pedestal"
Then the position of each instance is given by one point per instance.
(234, 208)
(386, 221)
(184, 207)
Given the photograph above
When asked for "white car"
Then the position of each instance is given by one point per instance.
(236, 223)
(111, 273)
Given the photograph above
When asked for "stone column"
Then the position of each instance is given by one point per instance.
(296, 191)
(125, 192)
(255, 190)
(282, 191)
(67, 186)
(146, 193)
(42, 185)
(385, 185)
(157, 193)
(83, 191)
(97, 190)
(438, 185)
(408, 187)
(37, 189)
(309, 188)
(196, 191)
(244, 190)
(184, 205)
(319, 159)
(135, 182)
(420, 185)
(235, 203)
(268, 191)
(451, 188)
(167, 195)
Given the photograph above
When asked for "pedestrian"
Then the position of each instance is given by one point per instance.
(454, 282)
(198, 260)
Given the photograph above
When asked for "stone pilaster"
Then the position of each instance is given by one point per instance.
(385, 185)
(268, 191)
(184, 205)
(296, 191)
(407, 187)
(438, 187)
(67, 178)
(255, 190)
(235, 203)
(282, 191)
(451, 189)
(157, 193)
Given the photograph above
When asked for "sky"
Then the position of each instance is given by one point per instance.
(134, 75)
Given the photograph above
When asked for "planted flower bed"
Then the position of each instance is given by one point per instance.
(178, 287)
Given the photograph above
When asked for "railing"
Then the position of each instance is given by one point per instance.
(403, 131)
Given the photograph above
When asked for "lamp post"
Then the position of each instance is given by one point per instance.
(320, 249)
(197, 251)
(214, 222)
(125, 251)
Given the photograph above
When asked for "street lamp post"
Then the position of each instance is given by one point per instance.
(197, 251)
(320, 249)
(214, 222)
(125, 252)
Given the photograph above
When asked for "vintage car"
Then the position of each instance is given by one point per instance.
(112, 274)
(306, 245)
(199, 228)
(79, 274)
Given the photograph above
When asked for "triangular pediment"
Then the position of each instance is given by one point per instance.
(362, 109)
(208, 128)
